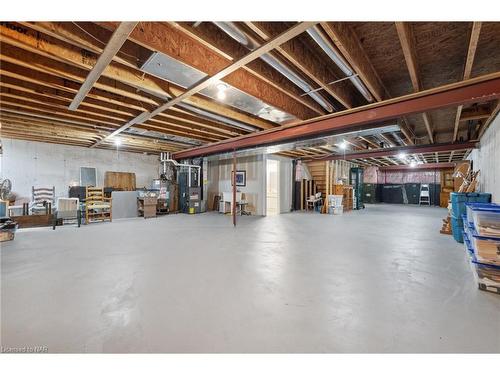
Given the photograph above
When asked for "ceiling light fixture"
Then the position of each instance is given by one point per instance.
(221, 91)
(343, 145)
(413, 164)
(118, 141)
(401, 156)
(221, 95)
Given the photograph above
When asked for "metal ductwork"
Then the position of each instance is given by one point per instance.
(382, 140)
(216, 117)
(315, 33)
(170, 69)
(165, 158)
(234, 32)
(324, 141)
(398, 139)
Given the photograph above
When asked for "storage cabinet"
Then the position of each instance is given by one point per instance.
(147, 206)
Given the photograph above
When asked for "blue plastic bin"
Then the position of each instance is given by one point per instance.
(458, 201)
(457, 227)
(469, 207)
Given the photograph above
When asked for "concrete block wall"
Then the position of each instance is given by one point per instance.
(29, 164)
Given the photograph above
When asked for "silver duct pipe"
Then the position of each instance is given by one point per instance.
(234, 32)
(319, 38)
(283, 69)
(217, 117)
(165, 158)
(381, 140)
(398, 138)
(230, 29)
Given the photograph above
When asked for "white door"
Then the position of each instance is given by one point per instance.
(272, 188)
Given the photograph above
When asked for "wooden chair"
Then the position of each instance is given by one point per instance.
(97, 206)
(42, 200)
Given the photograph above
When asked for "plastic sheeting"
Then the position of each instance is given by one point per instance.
(371, 175)
(302, 172)
(404, 177)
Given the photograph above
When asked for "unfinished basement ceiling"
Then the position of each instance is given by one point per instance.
(295, 81)
(174, 71)
(330, 143)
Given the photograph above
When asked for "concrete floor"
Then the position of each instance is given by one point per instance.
(379, 280)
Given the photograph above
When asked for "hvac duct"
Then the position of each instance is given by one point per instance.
(320, 39)
(217, 117)
(234, 32)
(165, 158)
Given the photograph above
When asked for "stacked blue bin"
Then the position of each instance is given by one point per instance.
(484, 263)
(458, 201)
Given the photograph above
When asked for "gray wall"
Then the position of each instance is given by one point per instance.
(29, 164)
(219, 180)
(487, 159)
(255, 186)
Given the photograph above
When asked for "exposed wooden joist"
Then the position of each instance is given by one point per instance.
(53, 86)
(59, 53)
(381, 161)
(296, 53)
(266, 47)
(116, 41)
(40, 130)
(75, 34)
(487, 87)
(371, 143)
(428, 126)
(348, 43)
(391, 160)
(69, 34)
(387, 140)
(59, 107)
(94, 106)
(167, 38)
(214, 38)
(475, 113)
(429, 149)
(407, 41)
(406, 130)
(211, 79)
(469, 61)
(487, 123)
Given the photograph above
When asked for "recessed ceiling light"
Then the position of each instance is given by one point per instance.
(221, 87)
(221, 95)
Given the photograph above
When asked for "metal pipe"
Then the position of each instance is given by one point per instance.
(217, 117)
(165, 158)
(234, 32)
(320, 39)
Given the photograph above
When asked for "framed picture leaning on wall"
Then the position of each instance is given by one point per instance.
(241, 178)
